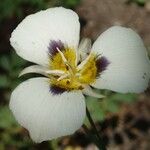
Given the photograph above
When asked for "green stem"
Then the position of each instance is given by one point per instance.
(100, 144)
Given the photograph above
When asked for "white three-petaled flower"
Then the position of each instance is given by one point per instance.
(54, 105)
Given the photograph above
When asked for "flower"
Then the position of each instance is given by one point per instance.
(54, 105)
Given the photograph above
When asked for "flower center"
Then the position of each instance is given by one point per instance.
(70, 73)
(74, 77)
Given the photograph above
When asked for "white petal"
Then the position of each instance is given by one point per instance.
(47, 116)
(34, 69)
(90, 92)
(85, 45)
(41, 70)
(129, 68)
(83, 63)
(33, 35)
(84, 49)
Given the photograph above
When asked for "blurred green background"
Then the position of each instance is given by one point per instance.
(12, 136)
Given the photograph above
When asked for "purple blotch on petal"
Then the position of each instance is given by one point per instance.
(54, 45)
(55, 90)
(101, 64)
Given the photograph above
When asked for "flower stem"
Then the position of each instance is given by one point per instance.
(100, 144)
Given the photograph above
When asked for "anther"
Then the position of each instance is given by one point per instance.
(63, 77)
(80, 87)
(65, 60)
(67, 82)
(67, 68)
(62, 55)
(55, 72)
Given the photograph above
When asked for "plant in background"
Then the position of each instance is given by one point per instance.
(9, 8)
(139, 2)
(54, 105)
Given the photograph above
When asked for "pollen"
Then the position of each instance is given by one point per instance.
(74, 77)
(57, 62)
(89, 71)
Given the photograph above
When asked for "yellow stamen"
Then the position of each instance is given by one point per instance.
(74, 78)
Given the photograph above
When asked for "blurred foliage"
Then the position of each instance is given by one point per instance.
(9, 8)
(99, 108)
(69, 3)
(140, 2)
(6, 118)
(10, 66)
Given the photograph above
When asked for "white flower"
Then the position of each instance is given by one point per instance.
(54, 106)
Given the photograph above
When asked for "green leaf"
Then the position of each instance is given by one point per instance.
(112, 106)
(141, 1)
(69, 3)
(6, 118)
(95, 109)
(16, 61)
(3, 81)
(127, 98)
(2, 146)
(5, 62)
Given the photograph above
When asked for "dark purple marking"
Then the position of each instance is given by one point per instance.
(54, 45)
(55, 90)
(101, 64)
